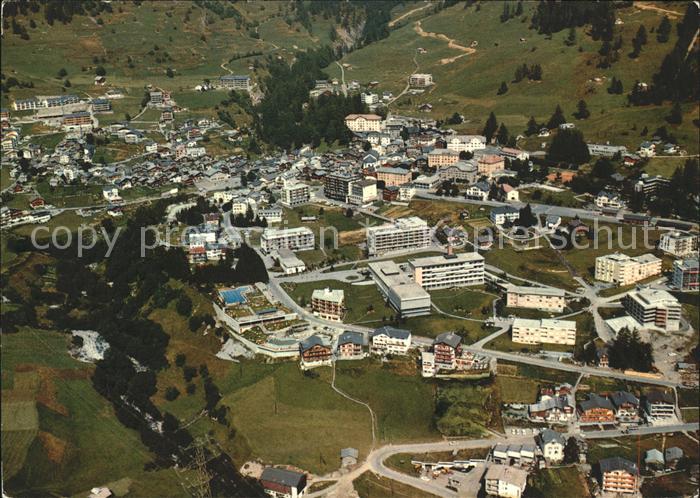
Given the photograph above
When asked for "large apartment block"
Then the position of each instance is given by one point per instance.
(619, 475)
(362, 192)
(544, 331)
(235, 82)
(448, 270)
(653, 308)
(295, 239)
(403, 294)
(337, 185)
(404, 233)
(541, 298)
(466, 143)
(686, 274)
(328, 304)
(438, 158)
(679, 244)
(295, 194)
(393, 177)
(625, 270)
(361, 123)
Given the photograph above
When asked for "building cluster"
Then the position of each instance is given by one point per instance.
(622, 407)
(448, 358)
(623, 270)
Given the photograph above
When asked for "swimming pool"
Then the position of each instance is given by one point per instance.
(234, 296)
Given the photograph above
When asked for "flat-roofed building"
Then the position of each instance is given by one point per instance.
(625, 270)
(420, 80)
(448, 270)
(544, 331)
(295, 239)
(541, 298)
(235, 82)
(653, 308)
(439, 158)
(362, 192)
(77, 121)
(505, 481)
(289, 263)
(295, 194)
(686, 274)
(404, 295)
(328, 304)
(404, 233)
(679, 244)
(337, 185)
(393, 177)
(659, 405)
(361, 123)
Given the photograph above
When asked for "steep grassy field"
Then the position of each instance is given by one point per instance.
(468, 83)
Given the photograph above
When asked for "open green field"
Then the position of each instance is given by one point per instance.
(568, 71)
(392, 388)
(541, 265)
(435, 324)
(463, 302)
(516, 389)
(564, 481)
(371, 485)
(51, 419)
(627, 447)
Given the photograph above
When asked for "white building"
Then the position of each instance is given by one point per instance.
(420, 80)
(404, 295)
(235, 82)
(625, 270)
(505, 481)
(363, 192)
(606, 199)
(541, 298)
(679, 244)
(369, 98)
(295, 194)
(404, 233)
(653, 308)
(448, 270)
(290, 264)
(361, 123)
(686, 274)
(111, 194)
(552, 445)
(328, 304)
(390, 340)
(544, 331)
(295, 239)
(501, 214)
(466, 143)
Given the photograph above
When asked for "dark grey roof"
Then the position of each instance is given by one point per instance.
(283, 477)
(504, 210)
(617, 463)
(595, 401)
(449, 338)
(349, 452)
(674, 453)
(392, 332)
(350, 336)
(659, 397)
(548, 435)
(621, 397)
(310, 342)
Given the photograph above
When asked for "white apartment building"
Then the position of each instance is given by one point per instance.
(679, 244)
(505, 481)
(686, 273)
(295, 239)
(390, 340)
(606, 199)
(420, 80)
(363, 192)
(235, 82)
(361, 123)
(404, 295)
(544, 331)
(369, 98)
(295, 194)
(406, 192)
(541, 298)
(404, 233)
(448, 270)
(466, 143)
(653, 308)
(328, 304)
(625, 270)
(551, 444)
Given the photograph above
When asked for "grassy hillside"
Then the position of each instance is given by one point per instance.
(467, 82)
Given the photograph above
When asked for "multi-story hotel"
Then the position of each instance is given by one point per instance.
(686, 275)
(404, 233)
(466, 143)
(336, 185)
(390, 340)
(488, 164)
(446, 348)
(295, 194)
(541, 298)
(448, 270)
(403, 294)
(235, 82)
(619, 475)
(314, 351)
(653, 308)
(350, 345)
(625, 270)
(295, 239)
(363, 122)
(328, 304)
(393, 177)
(544, 331)
(679, 244)
(438, 158)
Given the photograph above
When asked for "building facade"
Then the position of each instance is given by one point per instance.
(685, 274)
(448, 270)
(362, 123)
(544, 331)
(328, 304)
(653, 308)
(625, 270)
(295, 239)
(404, 233)
(295, 194)
(679, 244)
(541, 298)
(337, 185)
